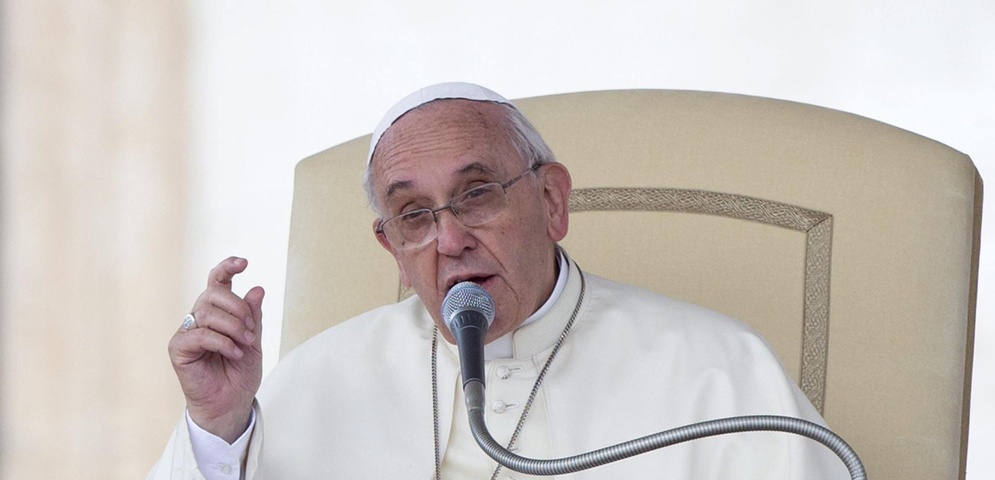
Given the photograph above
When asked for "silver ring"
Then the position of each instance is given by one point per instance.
(189, 322)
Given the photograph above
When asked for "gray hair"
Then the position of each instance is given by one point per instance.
(524, 137)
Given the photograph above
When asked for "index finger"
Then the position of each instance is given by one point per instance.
(222, 274)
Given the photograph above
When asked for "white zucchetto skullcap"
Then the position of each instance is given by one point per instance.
(468, 91)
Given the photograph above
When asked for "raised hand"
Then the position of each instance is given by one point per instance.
(219, 359)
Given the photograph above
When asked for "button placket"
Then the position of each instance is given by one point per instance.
(507, 390)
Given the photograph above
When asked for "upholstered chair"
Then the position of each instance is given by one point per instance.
(851, 245)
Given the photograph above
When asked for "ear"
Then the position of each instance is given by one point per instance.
(382, 239)
(556, 193)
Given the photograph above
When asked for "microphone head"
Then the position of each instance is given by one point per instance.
(467, 296)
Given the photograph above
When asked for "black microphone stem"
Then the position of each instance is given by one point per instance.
(470, 327)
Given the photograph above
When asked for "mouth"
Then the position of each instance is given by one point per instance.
(479, 280)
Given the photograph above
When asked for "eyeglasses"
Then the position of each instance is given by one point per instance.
(473, 207)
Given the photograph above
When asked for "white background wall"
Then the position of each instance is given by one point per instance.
(274, 82)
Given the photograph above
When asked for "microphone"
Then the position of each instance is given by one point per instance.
(468, 311)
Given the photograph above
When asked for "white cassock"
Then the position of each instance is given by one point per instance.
(356, 402)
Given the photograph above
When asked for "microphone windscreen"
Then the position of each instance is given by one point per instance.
(467, 296)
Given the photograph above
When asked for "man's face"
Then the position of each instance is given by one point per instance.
(442, 149)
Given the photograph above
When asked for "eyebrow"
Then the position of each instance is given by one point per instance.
(471, 168)
(398, 185)
(475, 167)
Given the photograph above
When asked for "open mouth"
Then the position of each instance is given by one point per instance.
(481, 280)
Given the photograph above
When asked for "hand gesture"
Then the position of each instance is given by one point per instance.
(218, 359)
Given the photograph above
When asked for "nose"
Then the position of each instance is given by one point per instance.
(453, 236)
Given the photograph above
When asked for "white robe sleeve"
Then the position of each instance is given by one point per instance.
(195, 454)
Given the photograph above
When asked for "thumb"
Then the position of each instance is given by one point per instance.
(254, 298)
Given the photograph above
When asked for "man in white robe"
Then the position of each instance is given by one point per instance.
(362, 400)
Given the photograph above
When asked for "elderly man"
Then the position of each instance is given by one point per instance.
(466, 190)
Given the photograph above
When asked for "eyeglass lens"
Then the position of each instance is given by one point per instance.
(473, 208)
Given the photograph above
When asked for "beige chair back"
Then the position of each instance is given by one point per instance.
(851, 245)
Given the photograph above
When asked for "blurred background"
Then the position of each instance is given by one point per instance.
(143, 142)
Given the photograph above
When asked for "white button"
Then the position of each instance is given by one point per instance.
(501, 407)
(503, 372)
(226, 469)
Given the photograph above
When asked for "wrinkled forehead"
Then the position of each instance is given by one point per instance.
(447, 140)
(452, 90)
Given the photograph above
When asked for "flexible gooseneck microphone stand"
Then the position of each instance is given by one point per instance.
(474, 391)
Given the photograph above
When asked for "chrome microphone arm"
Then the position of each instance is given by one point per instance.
(474, 392)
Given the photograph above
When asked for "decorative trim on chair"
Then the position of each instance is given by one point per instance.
(818, 229)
